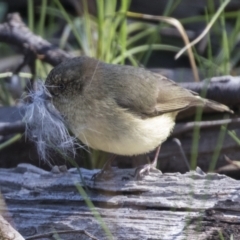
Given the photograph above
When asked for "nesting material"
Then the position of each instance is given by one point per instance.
(45, 126)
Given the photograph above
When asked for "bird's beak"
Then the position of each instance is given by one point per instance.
(46, 95)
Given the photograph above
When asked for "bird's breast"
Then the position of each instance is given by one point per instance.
(116, 130)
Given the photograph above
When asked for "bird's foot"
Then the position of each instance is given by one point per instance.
(143, 170)
(106, 172)
(103, 174)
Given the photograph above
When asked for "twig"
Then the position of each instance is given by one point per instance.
(30, 60)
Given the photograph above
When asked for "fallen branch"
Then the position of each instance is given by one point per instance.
(172, 204)
(15, 32)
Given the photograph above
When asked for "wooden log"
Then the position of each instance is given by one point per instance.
(160, 206)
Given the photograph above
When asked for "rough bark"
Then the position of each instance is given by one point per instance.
(169, 206)
(15, 32)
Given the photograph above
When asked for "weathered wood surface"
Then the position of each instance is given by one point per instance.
(160, 206)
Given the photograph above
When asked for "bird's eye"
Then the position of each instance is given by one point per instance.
(61, 87)
(56, 90)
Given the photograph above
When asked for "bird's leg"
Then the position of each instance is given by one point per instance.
(106, 167)
(155, 160)
(145, 169)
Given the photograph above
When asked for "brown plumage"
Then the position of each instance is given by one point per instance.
(119, 109)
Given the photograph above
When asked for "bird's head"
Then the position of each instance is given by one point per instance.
(70, 77)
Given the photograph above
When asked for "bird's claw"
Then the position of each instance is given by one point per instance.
(101, 175)
(145, 170)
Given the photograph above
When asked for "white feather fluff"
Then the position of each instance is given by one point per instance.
(45, 126)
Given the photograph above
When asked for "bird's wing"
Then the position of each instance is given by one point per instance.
(155, 94)
(172, 97)
(177, 98)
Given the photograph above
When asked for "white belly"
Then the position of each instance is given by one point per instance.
(132, 137)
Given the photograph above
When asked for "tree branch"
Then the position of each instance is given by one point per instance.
(15, 32)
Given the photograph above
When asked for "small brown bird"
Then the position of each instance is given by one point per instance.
(123, 110)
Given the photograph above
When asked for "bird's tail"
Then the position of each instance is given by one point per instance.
(217, 106)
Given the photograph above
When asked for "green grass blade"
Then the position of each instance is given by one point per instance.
(137, 26)
(123, 29)
(42, 18)
(95, 213)
(141, 35)
(87, 27)
(196, 131)
(143, 48)
(155, 36)
(217, 150)
(225, 46)
(110, 7)
(234, 136)
(100, 14)
(21, 74)
(31, 15)
(210, 24)
(228, 15)
(10, 141)
(69, 21)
